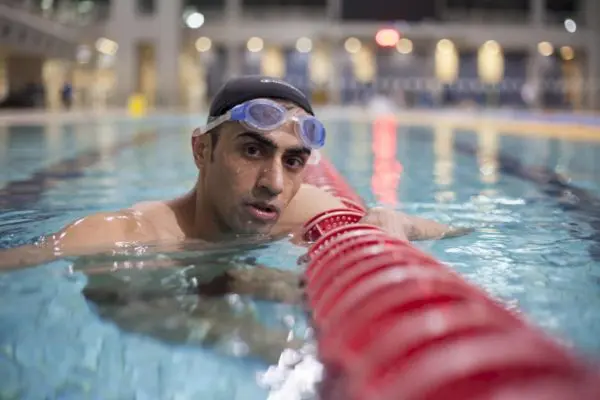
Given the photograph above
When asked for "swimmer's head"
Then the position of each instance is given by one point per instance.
(250, 170)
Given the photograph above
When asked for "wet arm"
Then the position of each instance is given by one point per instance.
(312, 200)
(88, 235)
(425, 229)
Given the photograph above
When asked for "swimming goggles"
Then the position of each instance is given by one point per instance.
(264, 115)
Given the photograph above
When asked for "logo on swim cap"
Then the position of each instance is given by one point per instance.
(270, 80)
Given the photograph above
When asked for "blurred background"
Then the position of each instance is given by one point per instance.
(95, 54)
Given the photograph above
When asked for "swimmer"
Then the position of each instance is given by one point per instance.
(250, 156)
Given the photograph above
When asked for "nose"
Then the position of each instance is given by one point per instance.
(270, 182)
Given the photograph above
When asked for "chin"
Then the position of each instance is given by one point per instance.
(256, 229)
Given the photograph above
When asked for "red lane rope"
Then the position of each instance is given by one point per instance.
(394, 323)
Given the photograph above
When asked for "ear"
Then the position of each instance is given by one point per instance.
(201, 148)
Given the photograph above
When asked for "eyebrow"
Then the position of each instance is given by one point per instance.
(297, 150)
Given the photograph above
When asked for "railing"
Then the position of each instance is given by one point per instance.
(285, 13)
(505, 17)
(409, 93)
(71, 14)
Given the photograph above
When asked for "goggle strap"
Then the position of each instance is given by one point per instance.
(213, 124)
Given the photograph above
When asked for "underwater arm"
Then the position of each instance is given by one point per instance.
(259, 282)
(211, 322)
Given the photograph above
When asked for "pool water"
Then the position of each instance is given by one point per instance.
(534, 203)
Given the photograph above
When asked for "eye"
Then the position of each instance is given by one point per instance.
(252, 150)
(295, 162)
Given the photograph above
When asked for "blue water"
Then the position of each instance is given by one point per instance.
(537, 244)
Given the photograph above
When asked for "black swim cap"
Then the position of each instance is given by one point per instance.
(238, 90)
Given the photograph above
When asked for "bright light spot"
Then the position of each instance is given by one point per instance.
(195, 20)
(545, 48)
(404, 46)
(387, 37)
(304, 45)
(107, 46)
(492, 46)
(570, 25)
(352, 45)
(567, 53)
(203, 44)
(255, 44)
(445, 45)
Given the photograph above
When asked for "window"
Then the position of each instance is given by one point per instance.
(285, 3)
(563, 6)
(146, 6)
(517, 5)
(387, 10)
(204, 4)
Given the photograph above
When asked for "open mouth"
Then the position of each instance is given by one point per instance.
(263, 211)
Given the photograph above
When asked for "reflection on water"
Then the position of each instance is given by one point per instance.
(444, 162)
(487, 154)
(386, 168)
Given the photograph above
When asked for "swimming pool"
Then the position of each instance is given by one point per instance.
(536, 245)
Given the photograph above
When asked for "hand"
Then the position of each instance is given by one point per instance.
(408, 227)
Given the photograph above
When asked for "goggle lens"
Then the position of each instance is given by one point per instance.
(312, 131)
(265, 115)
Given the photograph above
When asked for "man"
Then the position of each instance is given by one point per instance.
(250, 157)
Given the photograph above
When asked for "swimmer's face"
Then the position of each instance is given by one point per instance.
(252, 177)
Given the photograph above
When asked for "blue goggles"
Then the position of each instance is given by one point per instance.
(264, 115)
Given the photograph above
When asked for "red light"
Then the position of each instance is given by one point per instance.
(387, 37)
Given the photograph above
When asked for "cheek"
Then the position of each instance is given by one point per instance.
(238, 175)
(291, 188)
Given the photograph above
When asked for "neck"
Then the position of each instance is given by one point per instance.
(205, 224)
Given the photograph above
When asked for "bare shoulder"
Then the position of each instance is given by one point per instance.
(90, 234)
(106, 228)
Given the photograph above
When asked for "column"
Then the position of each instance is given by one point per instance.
(168, 48)
(334, 9)
(234, 59)
(233, 18)
(592, 13)
(531, 90)
(593, 75)
(120, 26)
(337, 82)
(56, 73)
(537, 13)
